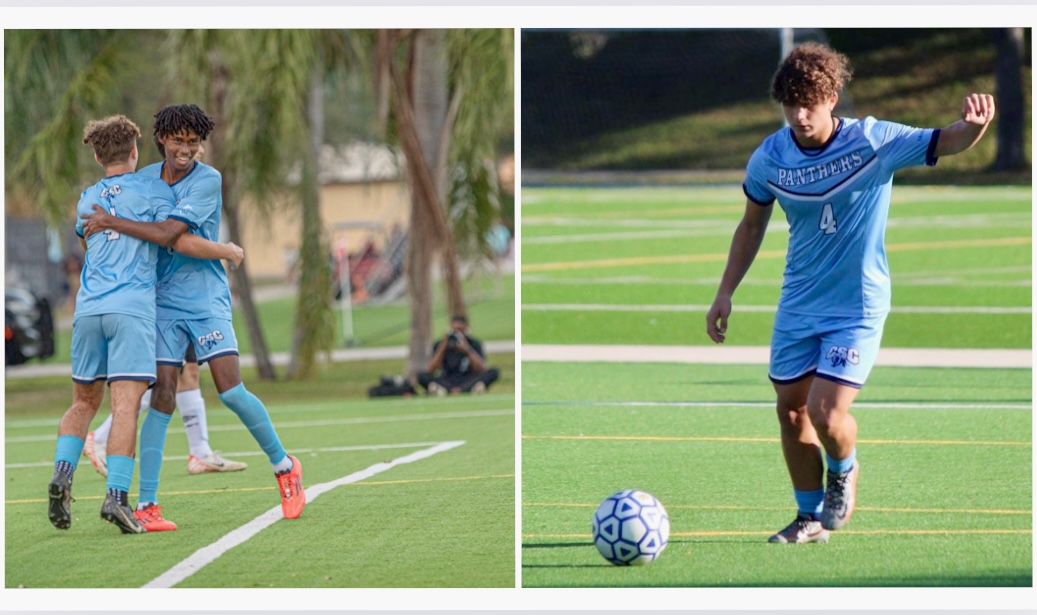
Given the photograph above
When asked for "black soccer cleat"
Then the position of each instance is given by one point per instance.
(59, 507)
(121, 515)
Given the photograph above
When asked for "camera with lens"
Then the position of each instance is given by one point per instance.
(454, 340)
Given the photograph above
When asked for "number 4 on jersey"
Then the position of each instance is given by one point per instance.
(112, 235)
(828, 222)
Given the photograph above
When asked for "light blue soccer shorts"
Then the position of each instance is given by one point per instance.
(212, 337)
(838, 348)
(113, 347)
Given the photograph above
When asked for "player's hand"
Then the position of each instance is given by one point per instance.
(716, 318)
(977, 109)
(95, 222)
(238, 255)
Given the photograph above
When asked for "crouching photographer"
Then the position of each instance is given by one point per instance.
(458, 364)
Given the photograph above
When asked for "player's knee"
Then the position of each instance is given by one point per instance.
(163, 397)
(827, 420)
(236, 397)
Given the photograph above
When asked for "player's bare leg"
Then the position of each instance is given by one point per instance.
(799, 440)
(86, 399)
(125, 401)
(802, 451)
(829, 407)
(122, 447)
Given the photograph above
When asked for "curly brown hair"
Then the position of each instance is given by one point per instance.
(810, 74)
(112, 138)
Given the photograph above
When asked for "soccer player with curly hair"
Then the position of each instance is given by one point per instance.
(194, 308)
(832, 176)
(113, 333)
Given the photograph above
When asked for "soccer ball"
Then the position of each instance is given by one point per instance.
(630, 527)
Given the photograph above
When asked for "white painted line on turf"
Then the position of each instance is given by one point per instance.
(322, 423)
(770, 404)
(301, 451)
(760, 355)
(208, 554)
(766, 309)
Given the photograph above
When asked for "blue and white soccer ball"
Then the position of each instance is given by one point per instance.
(631, 527)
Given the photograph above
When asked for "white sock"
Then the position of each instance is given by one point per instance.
(284, 465)
(192, 411)
(101, 433)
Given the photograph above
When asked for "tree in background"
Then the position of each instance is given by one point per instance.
(450, 91)
(451, 99)
(1011, 152)
(257, 85)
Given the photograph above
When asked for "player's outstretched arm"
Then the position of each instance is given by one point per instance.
(164, 233)
(977, 111)
(744, 246)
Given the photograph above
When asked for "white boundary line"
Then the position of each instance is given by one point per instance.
(284, 425)
(760, 355)
(872, 405)
(766, 309)
(206, 555)
(295, 451)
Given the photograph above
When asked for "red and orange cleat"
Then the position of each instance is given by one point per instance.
(293, 499)
(152, 520)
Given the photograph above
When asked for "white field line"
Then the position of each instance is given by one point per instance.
(760, 355)
(206, 555)
(603, 307)
(301, 451)
(698, 227)
(363, 420)
(935, 405)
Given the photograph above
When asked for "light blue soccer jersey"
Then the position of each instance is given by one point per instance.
(191, 288)
(119, 274)
(836, 201)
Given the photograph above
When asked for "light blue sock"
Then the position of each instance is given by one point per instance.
(842, 465)
(256, 419)
(120, 472)
(810, 502)
(69, 448)
(152, 446)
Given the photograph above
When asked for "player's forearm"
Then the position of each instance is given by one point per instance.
(744, 246)
(164, 235)
(959, 137)
(194, 246)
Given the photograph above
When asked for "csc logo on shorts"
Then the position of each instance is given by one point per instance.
(209, 340)
(841, 355)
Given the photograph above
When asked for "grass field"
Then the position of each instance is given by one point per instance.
(380, 531)
(945, 497)
(390, 484)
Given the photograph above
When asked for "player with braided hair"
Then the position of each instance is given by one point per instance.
(113, 335)
(194, 307)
